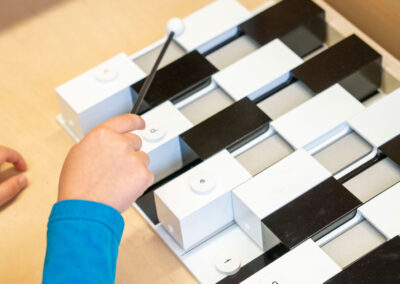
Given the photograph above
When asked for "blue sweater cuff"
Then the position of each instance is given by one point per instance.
(89, 211)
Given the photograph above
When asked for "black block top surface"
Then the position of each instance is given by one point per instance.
(280, 19)
(311, 212)
(229, 126)
(177, 77)
(382, 265)
(336, 63)
(392, 149)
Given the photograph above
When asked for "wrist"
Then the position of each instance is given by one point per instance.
(89, 197)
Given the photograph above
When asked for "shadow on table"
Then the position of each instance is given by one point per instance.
(14, 11)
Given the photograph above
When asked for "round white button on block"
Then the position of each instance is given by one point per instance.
(153, 132)
(106, 73)
(202, 183)
(228, 263)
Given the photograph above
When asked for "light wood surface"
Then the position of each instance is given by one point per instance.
(44, 43)
(380, 19)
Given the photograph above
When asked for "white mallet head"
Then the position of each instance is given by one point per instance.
(176, 26)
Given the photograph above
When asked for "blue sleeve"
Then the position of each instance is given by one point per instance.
(82, 243)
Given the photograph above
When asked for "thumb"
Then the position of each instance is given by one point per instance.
(11, 187)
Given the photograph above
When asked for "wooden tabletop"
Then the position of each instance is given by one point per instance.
(44, 43)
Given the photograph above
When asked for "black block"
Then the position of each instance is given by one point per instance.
(300, 24)
(176, 79)
(351, 63)
(382, 265)
(392, 148)
(313, 214)
(147, 204)
(231, 126)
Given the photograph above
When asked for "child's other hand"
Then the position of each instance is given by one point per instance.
(13, 185)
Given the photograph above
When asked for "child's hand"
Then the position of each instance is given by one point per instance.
(107, 166)
(13, 185)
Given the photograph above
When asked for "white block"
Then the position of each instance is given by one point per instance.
(231, 242)
(273, 188)
(381, 121)
(307, 263)
(160, 138)
(212, 25)
(191, 211)
(317, 117)
(261, 71)
(383, 212)
(98, 94)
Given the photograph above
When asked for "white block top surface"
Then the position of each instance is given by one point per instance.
(94, 86)
(307, 263)
(257, 69)
(210, 22)
(281, 183)
(383, 211)
(381, 121)
(182, 200)
(167, 118)
(317, 116)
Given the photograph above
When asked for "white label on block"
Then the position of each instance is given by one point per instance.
(317, 116)
(383, 211)
(381, 121)
(202, 260)
(98, 94)
(211, 23)
(307, 263)
(273, 188)
(261, 71)
(190, 216)
(165, 118)
(160, 138)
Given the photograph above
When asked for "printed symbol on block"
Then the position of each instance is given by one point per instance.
(153, 132)
(227, 263)
(202, 183)
(106, 73)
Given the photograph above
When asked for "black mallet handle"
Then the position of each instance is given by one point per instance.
(149, 79)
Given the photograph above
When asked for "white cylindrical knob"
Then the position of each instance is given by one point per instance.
(153, 132)
(202, 183)
(228, 263)
(176, 26)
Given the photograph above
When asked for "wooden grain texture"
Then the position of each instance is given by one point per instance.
(379, 19)
(44, 43)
